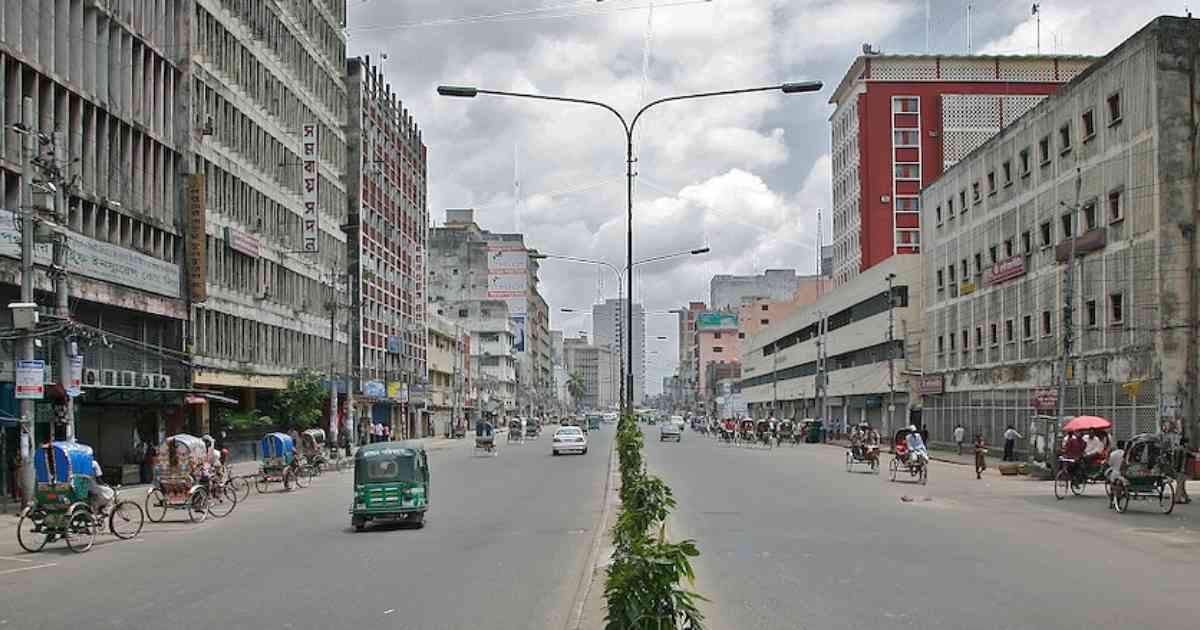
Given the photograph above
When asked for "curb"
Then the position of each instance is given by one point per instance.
(588, 579)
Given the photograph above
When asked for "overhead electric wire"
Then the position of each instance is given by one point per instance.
(581, 9)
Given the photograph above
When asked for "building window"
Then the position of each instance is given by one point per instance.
(992, 254)
(994, 334)
(1046, 235)
(950, 207)
(741, 335)
(1009, 332)
(1044, 150)
(975, 192)
(1114, 207)
(978, 263)
(1089, 215)
(1089, 125)
(1027, 327)
(991, 181)
(462, 312)
(938, 213)
(1089, 310)
(718, 349)
(1116, 308)
(764, 322)
(1064, 139)
(964, 340)
(907, 204)
(905, 104)
(964, 268)
(1046, 323)
(1068, 222)
(1006, 169)
(908, 236)
(941, 344)
(905, 137)
(962, 201)
(950, 273)
(1024, 155)
(979, 336)
(716, 335)
(952, 342)
(908, 171)
(941, 280)
(1114, 108)
(765, 307)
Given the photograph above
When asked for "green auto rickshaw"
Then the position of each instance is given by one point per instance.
(391, 482)
(593, 421)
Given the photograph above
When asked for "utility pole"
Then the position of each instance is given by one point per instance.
(891, 338)
(333, 393)
(774, 377)
(28, 428)
(1068, 299)
(820, 389)
(61, 288)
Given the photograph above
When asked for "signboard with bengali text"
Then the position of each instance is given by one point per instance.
(197, 239)
(1007, 269)
(310, 219)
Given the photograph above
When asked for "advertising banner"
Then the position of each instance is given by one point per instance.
(374, 389)
(31, 380)
(75, 387)
(519, 346)
(715, 320)
(91, 258)
(310, 221)
(508, 275)
(1007, 269)
(197, 240)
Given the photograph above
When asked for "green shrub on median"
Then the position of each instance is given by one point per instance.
(645, 583)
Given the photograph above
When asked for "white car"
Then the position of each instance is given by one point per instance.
(672, 429)
(570, 440)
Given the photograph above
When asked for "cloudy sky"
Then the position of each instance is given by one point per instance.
(743, 175)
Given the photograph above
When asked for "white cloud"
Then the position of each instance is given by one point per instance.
(1081, 27)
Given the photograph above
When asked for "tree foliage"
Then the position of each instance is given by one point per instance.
(576, 387)
(299, 406)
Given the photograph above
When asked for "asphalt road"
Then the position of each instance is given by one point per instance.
(789, 539)
(504, 546)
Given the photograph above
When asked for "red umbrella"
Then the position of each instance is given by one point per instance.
(1085, 423)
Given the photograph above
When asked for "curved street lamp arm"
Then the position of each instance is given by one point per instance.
(684, 97)
(590, 261)
(563, 99)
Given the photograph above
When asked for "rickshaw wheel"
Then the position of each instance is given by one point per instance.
(126, 520)
(240, 487)
(81, 529)
(156, 506)
(287, 479)
(1061, 482)
(222, 501)
(1078, 487)
(304, 477)
(893, 468)
(261, 485)
(1122, 500)
(1166, 496)
(198, 505)
(30, 530)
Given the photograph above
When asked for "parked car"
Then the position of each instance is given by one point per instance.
(569, 440)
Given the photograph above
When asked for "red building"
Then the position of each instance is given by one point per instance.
(900, 120)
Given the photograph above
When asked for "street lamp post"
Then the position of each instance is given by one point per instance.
(620, 294)
(629, 127)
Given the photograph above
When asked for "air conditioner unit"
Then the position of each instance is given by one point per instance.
(91, 377)
(164, 382)
(108, 378)
(128, 379)
(146, 380)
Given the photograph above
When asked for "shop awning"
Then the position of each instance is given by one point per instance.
(202, 398)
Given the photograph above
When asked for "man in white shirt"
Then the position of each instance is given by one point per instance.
(960, 433)
(1010, 443)
(1115, 475)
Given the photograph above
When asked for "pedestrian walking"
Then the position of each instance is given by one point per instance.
(980, 456)
(959, 434)
(1010, 443)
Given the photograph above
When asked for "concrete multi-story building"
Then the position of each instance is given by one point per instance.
(469, 264)
(449, 366)
(494, 359)
(600, 368)
(689, 354)
(388, 226)
(194, 136)
(1079, 226)
(608, 329)
(728, 293)
(899, 120)
(845, 336)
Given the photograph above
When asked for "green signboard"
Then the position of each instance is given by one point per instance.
(710, 320)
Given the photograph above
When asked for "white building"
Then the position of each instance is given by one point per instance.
(780, 364)
(608, 324)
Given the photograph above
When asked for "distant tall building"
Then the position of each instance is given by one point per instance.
(608, 325)
(900, 120)
(600, 368)
(728, 292)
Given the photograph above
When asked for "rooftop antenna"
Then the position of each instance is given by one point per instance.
(1037, 13)
(969, 7)
(516, 191)
(819, 244)
(926, 27)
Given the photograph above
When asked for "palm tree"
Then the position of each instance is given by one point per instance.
(576, 388)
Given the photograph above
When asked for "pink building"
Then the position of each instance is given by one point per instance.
(717, 341)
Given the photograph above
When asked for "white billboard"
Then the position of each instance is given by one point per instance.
(508, 275)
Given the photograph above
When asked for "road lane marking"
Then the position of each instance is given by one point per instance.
(389, 611)
(36, 566)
